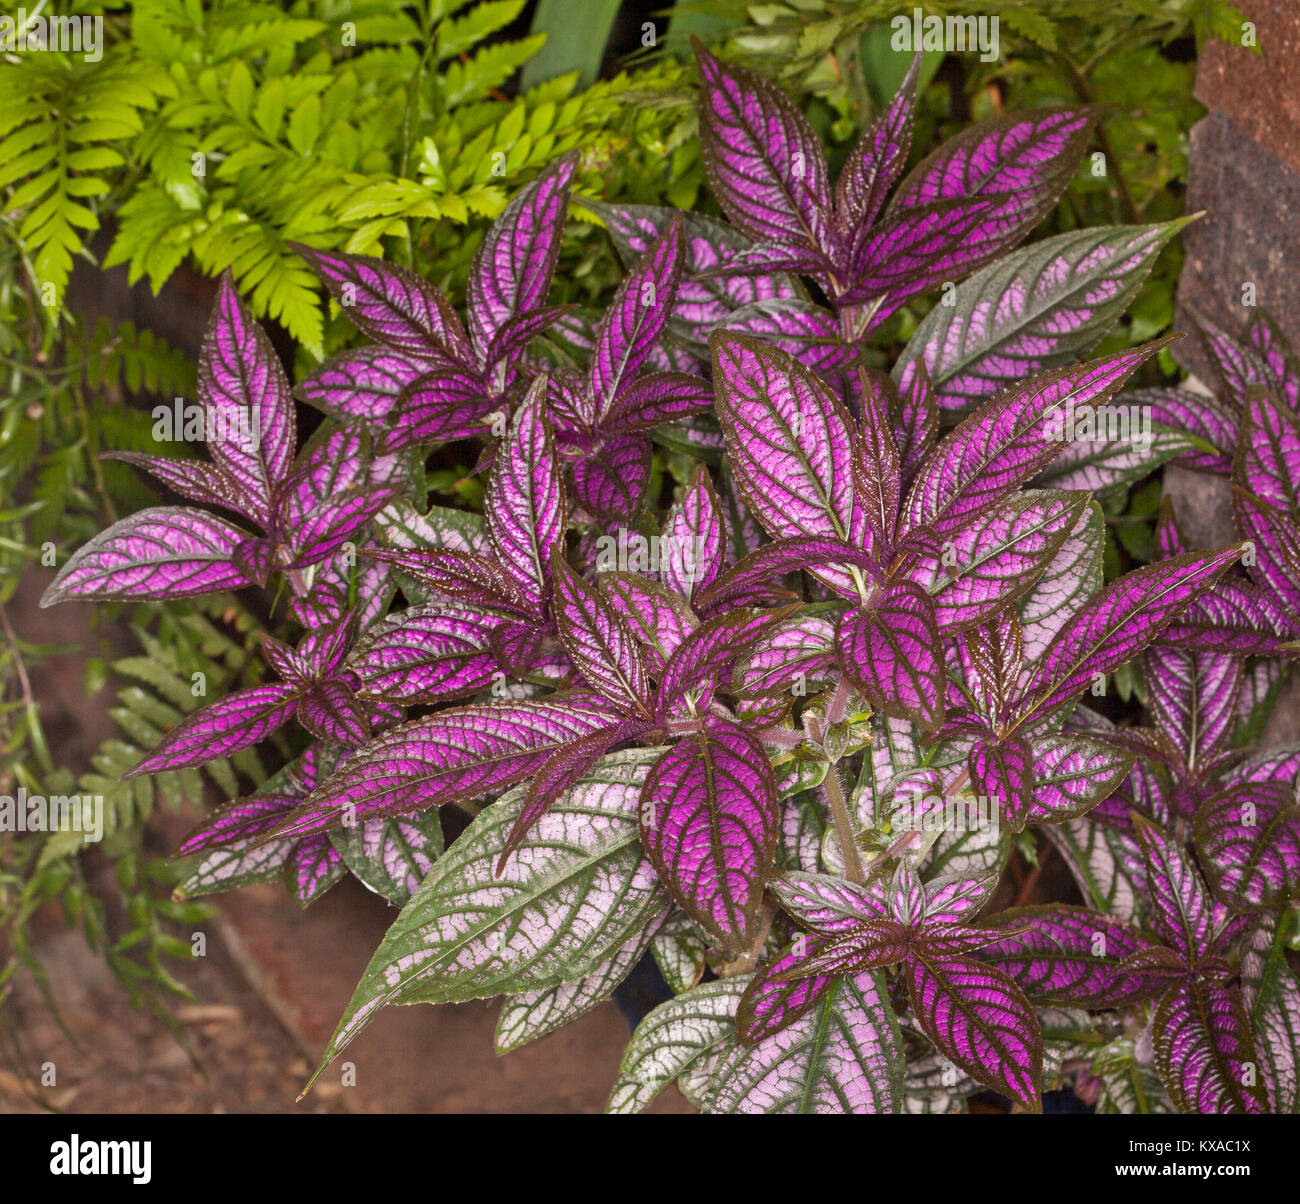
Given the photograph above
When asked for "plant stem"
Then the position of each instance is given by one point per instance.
(843, 826)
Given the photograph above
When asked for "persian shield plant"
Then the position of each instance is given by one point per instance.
(790, 751)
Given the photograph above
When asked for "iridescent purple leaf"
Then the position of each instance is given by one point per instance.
(1204, 1050)
(778, 995)
(193, 479)
(511, 273)
(1118, 623)
(563, 768)
(790, 444)
(524, 506)
(758, 574)
(445, 403)
(1248, 841)
(656, 398)
(1068, 956)
(448, 757)
(598, 641)
(998, 556)
(763, 158)
(246, 394)
(221, 728)
(390, 303)
(1008, 440)
(694, 525)
(635, 319)
(1072, 774)
(833, 906)
(1197, 415)
(366, 383)
(659, 618)
(892, 653)
(1181, 913)
(426, 654)
(709, 822)
(1024, 160)
(163, 552)
(977, 1017)
(1268, 451)
(877, 159)
(610, 481)
(312, 868)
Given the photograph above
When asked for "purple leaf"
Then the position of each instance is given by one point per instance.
(1202, 417)
(916, 421)
(1118, 623)
(565, 767)
(1193, 697)
(1023, 160)
(193, 479)
(1071, 775)
(702, 301)
(774, 999)
(695, 523)
(426, 654)
(1268, 452)
(1069, 956)
(977, 1017)
(312, 868)
(790, 445)
(524, 506)
(1180, 910)
(659, 618)
(635, 319)
(221, 728)
(804, 646)
(453, 756)
(390, 303)
(366, 382)
(1203, 1049)
(914, 249)
(1275, 537)
(165, 552)
(1271, 347)
(808, 332)
(610, 481)
(754, 575)
(998, 556)
(832, 906)
(1008, 440)
(512, 270)
(598, 641)
(1003, 771)
(892, 654)
(763, 158)
(1240, 367)
(707, 652)
(877, 159)
(330, 711)
(709, 822)
(244, 389)
(656, 398)
(243, 819)
(334, 492)
(445, 403)
(1248, 841)
(456, 574)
